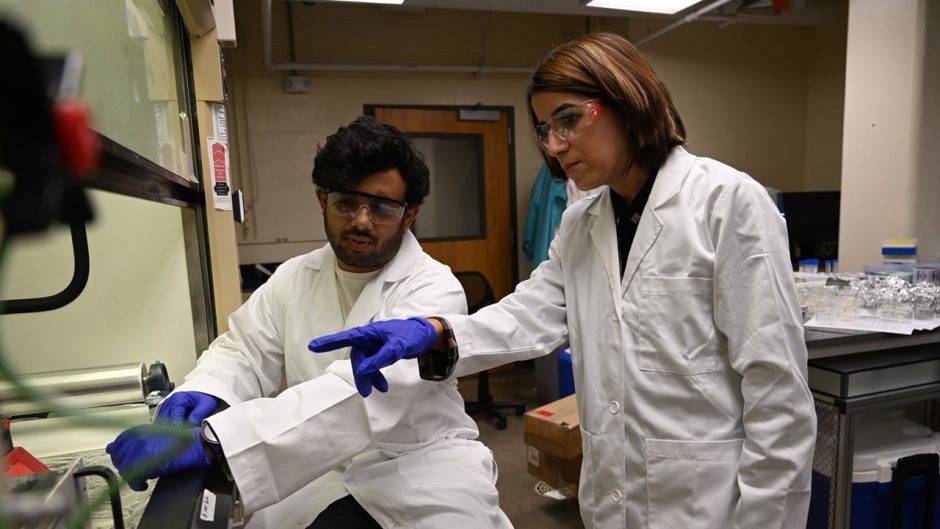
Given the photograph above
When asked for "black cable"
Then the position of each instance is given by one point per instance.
(71, 291)
(114, 490)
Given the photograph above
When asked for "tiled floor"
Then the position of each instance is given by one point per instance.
(524, 507)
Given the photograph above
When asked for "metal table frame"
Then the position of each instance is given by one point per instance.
(850, 409)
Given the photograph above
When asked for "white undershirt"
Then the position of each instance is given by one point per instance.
(349, 285)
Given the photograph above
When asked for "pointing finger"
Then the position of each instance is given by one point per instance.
(331, 342)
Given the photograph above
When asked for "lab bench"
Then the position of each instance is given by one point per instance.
(850, 375)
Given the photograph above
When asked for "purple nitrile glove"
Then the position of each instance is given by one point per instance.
(377, 345)
(154, 451)
(187, 405)
(365, 381)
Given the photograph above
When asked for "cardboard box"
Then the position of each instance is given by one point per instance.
(553, 436)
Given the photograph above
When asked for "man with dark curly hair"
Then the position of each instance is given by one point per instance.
(319, 452)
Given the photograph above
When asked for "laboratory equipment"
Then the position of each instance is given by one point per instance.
(88, 388)
(108, 399)
(51, 500)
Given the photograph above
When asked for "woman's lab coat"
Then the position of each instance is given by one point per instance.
(408, 456)
(690, 372)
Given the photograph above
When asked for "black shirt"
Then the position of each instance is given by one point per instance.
(627, 216)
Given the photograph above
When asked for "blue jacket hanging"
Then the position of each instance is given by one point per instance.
(546, 205)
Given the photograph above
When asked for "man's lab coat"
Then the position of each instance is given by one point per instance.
(408, 456)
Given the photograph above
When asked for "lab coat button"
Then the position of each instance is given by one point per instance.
(614, 406)
(616, 495)
(613, 316)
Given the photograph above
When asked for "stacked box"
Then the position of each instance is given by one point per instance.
(553, 435)
(899, 251)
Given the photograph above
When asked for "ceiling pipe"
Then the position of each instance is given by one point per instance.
(688, 18)
(723, 21)
(424, 68)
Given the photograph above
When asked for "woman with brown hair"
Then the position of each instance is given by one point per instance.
(674, 289)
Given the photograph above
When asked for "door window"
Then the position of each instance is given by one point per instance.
(455, 208)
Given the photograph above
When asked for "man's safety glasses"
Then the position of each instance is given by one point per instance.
(564, 123)
(381, 210)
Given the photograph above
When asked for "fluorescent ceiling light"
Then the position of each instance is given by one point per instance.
(393, 2)
(664, 7)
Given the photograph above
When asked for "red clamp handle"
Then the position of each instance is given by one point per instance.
(78, 144)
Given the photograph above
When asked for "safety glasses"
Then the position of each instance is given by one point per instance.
(567, 121)
(347, 204)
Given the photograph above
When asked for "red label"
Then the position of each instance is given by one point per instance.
(218, 162)
(545, 413)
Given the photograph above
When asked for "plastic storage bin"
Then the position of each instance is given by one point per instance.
(565, 374)
(881, 442)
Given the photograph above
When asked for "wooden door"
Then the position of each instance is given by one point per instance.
(491, 252)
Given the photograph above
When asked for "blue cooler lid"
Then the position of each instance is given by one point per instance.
(881, 440)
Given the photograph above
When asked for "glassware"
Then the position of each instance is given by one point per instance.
(867, 303)
(827, 304)
(926, 274)
(925, 301)
(846, 303)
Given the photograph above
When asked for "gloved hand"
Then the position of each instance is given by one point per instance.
(154, 451)
(184, 405)
(377, 345)
(366, 381)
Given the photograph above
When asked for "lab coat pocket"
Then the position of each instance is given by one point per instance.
(692, 484)
(676, 325)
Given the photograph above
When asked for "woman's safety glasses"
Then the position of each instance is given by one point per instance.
(565, 122)
(347, 204)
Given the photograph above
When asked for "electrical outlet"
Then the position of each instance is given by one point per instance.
(297, 84)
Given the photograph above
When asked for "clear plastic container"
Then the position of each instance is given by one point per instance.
(926, 274)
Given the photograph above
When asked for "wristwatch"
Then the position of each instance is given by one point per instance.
(214, 448)
(439, 365)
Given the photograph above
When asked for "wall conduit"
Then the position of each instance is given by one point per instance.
(684, 20)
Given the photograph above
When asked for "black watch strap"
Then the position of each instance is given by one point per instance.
(210, 439)
(439, 365)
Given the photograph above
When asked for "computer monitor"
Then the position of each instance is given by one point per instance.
(812, 224)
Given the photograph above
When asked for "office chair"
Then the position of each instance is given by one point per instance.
(480, 294)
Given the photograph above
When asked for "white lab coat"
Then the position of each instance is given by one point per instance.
(690, 371)
(408, 456)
